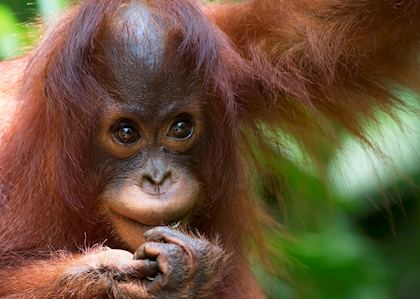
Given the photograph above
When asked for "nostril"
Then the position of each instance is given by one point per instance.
(155, 176)
(148, 179)
(157, 179)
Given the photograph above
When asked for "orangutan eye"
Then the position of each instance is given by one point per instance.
(125, 132)
(182, 128)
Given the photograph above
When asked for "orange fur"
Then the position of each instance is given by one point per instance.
(297, 65)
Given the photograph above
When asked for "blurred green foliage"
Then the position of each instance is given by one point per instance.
(356, 239)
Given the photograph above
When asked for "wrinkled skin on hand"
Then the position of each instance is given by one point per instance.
(124, 275)
(184, 264)
(170, 264)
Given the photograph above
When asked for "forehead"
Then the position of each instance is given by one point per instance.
(136, 52)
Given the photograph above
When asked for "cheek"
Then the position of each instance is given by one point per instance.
(132, 211)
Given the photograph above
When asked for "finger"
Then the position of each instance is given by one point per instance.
(147, 251)
(164, 253)
(144, 268)
(168, 235)
(155, 233)
(139, 269)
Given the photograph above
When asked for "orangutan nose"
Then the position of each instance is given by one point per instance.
(156, 176)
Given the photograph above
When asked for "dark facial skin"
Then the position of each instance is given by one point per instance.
(149, 131)
(150, 136)
(152, 148)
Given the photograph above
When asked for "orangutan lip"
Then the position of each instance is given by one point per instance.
(157, 194)
(154, 194)
(173, 223)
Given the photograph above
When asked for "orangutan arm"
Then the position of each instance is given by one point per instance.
(326, 58)
(100, 274)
